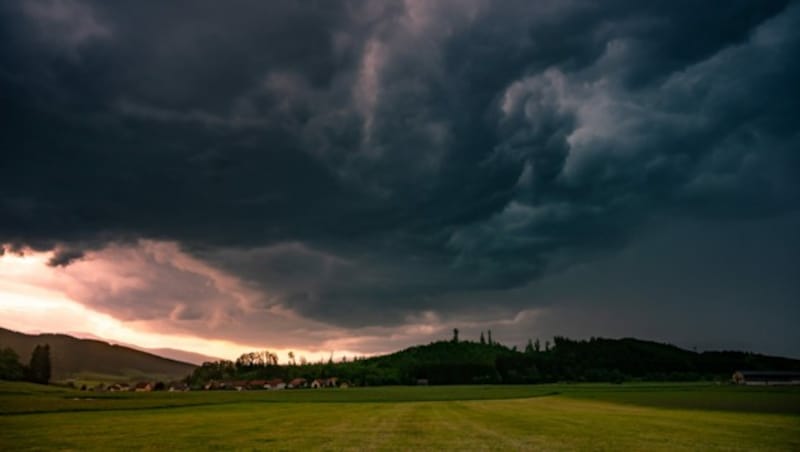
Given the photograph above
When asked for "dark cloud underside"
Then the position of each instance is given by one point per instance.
(362, 161)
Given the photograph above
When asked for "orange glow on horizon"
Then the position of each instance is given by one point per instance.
(30, 302)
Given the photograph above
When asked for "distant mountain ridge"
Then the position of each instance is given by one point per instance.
(72, 357)
(169, 353)
(177, 355)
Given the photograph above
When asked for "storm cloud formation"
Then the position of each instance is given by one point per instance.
(361, 162)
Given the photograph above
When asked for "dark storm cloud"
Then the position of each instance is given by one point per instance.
(361, 161)
(64, 257)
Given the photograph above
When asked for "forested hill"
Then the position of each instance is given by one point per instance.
(596, 359)
(71, 357)
(464, 362)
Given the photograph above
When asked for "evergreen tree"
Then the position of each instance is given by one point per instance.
(10, 367)
(455, 335)
(537, 346)
(40, 364)
(529, 347)
(483, 341)
(490, 337)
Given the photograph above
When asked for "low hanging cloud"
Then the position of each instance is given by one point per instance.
(64, 257)
(363, 162)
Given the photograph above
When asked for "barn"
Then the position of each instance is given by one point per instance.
(759, 377)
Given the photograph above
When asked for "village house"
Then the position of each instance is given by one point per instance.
(257, 384)
(143, 386)
(118, 387)
(276, 384)
(297, 383)
(178, 386)
(237, 385)
(332, 382)
(766, 378)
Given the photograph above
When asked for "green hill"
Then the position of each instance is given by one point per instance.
(597, 359)
(73, 358)
(465, 362)
(654, 360)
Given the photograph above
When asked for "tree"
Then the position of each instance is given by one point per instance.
(483, 341)
(291, 358)
(529, 347)
(10, 367)
(489, 333)
(537, 346)
(40, 364)
(547, 346)
(455, 335)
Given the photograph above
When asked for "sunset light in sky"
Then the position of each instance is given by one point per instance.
(35, 298)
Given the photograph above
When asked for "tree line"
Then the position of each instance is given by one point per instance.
(487, 361)
(37, 371)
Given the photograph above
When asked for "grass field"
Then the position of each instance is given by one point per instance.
(541, 417)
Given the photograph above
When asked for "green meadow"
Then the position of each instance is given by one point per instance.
(541, 417)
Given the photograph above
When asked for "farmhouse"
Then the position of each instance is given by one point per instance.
(749, 377)
(177, 386)
(297, 383)
(317, 383)
(257, 384)
(237, 385)
(275, 384)
(143, 386)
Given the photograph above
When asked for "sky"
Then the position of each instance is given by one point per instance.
(354, 177)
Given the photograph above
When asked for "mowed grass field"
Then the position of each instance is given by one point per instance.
(542, 417)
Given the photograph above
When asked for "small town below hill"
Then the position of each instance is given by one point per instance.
(275, 384)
